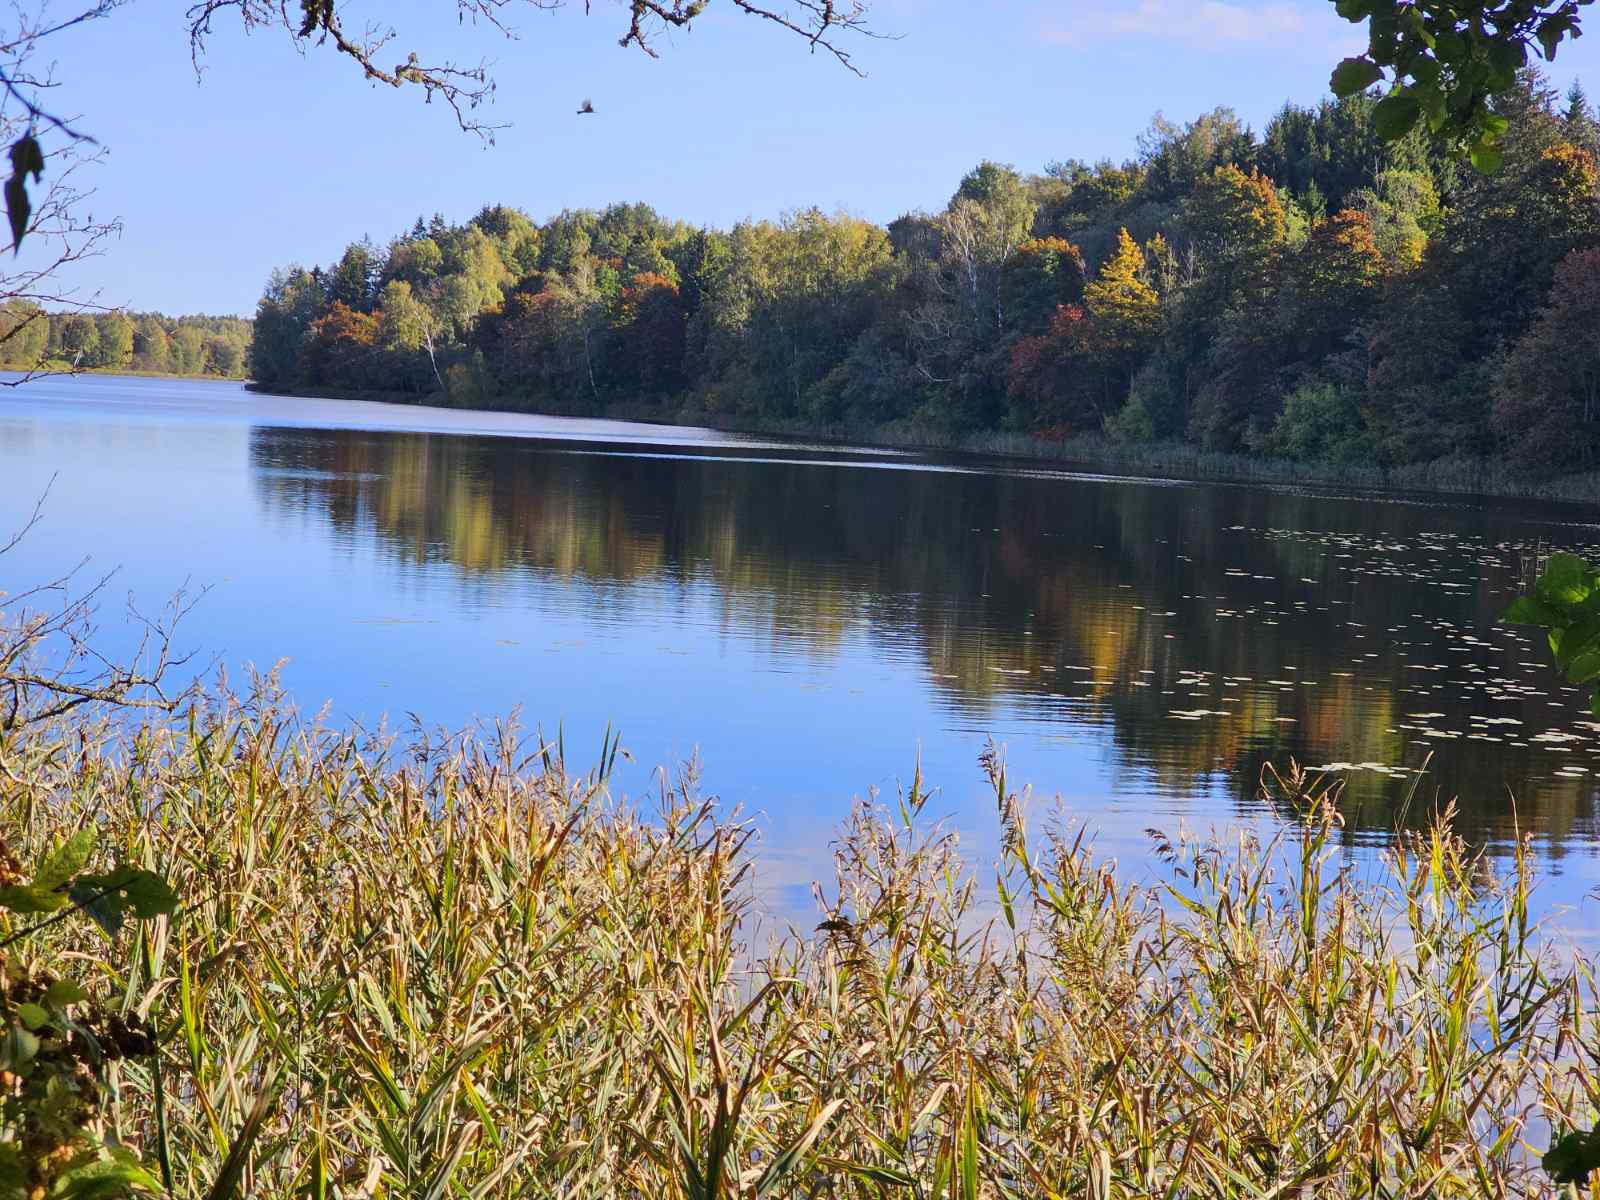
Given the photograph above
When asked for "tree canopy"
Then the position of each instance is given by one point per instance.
(1312, 290)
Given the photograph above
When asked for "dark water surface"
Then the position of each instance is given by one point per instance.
(805, 619)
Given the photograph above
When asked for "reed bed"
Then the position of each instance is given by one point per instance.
(451, 967)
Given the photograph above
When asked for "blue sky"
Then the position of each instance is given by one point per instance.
(273, 157)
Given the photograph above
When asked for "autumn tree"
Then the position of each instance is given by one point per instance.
(1039, 277)
(1335, 279)
(341, 348)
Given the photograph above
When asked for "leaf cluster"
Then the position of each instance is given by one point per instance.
(1447, 60)
(1566, 604)
(55, 1041)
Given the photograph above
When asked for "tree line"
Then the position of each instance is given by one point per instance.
(33, 339)
(1317, 291)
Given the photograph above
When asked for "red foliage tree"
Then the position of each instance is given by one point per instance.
(342, 348)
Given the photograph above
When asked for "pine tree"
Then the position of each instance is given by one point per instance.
(1581, 127)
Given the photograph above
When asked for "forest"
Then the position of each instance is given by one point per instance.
(1314, 292)
(33, 339)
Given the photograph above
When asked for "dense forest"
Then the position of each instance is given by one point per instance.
(31, 339)
(1313, 291)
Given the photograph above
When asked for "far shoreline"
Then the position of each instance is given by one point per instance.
(1178, 461)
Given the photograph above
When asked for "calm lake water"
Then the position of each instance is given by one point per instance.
(807, 620)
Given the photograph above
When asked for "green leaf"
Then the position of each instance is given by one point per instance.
(789, 1157)
(1449, 46)
(1585, 667)
(66, 860)
(1395, 115)
(883, 1176)
(1551, 30)
(1354, 75)
(1575, 639)
(18, 1048)
(1486, 159)
(64, 992)
(107, 898)
(1528, 610)
(29, 899)
(32, 1015)
(109, 1174)
(1567, 579)
(1572, 1158)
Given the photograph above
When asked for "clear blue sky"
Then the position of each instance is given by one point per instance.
(273, 157)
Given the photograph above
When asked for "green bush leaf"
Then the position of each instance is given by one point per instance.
(1572, 1158)
(64, 992)
(111, 1174)
(1449, 46)
(29, 899)
(1487, 159)
(884, 1176)
(32, 1015)
(1576, 638)
(108, 898)
(66, 860)
(1526, 610)
(1567, 580)
(1354, 75)
(1585, 667)
(1395, 115)
(18, 1048)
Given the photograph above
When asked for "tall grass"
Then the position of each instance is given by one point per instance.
(454, 968)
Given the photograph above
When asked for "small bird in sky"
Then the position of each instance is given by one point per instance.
(588, 107)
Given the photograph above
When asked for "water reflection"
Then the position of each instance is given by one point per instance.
(1191, 631)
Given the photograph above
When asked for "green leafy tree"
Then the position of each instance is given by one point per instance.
(24, 335)
(353, 281)
(1177, 159)
(115, 348)
(189, 350)
(1041, 275)
(80, 339)
(152, 350)
(1547, 392)
(293, 300)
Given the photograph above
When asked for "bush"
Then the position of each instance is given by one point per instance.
(1320, 420)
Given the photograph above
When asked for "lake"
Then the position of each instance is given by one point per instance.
(808, 620)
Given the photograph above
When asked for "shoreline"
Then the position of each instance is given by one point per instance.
(1465, 478)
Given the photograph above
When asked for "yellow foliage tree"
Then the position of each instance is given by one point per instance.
(1125, 310)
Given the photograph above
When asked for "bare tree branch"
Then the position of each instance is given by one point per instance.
(466, 88)
(50, 660)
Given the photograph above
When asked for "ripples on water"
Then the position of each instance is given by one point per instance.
(807, 618)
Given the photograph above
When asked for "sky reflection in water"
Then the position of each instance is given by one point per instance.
(807, 618)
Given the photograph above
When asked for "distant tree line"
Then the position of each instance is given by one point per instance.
(1315, 291)
(32, 338)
